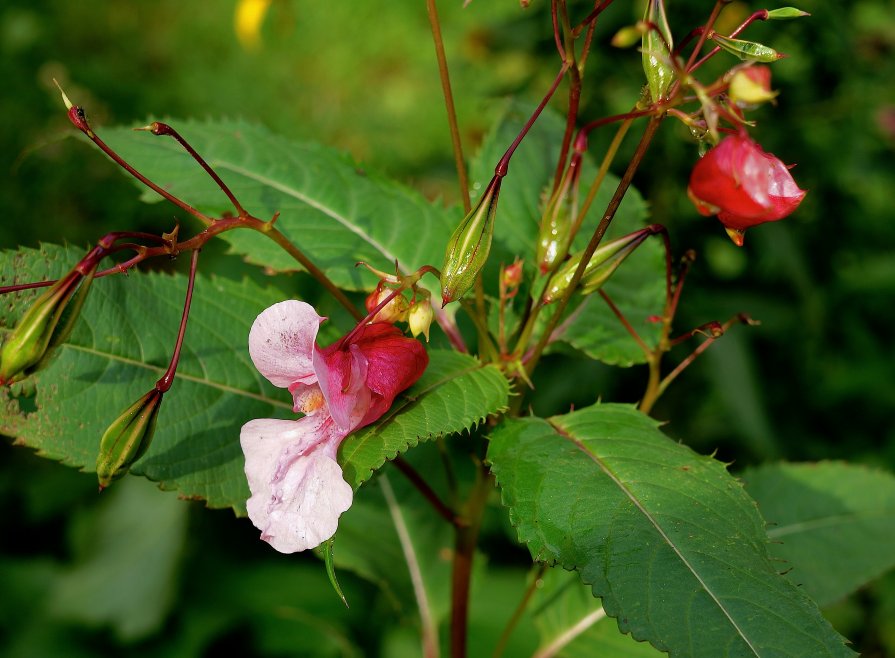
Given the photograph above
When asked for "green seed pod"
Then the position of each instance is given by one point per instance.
(467, 250)
(45, 325)
(127, 438)
(748, 51)
(602, 264)
(555, 231)
(656, 50)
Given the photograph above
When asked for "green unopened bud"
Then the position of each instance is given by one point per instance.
(602, 264)
(420, 317)
(748, 51)
(555, 231)
(786, 13)
(467, 250)
(46, 324)
(629, 35)
(127, 438)
(656, 50)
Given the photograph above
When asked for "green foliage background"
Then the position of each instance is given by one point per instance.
(815, 381)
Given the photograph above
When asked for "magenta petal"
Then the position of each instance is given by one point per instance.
(298, 492)
(281, 343)
(342, 375)
(394, 361)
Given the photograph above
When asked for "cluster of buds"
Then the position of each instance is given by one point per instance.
(393, 306)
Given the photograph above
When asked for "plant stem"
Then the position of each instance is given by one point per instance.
(459, 161)
(164, 384)
(417, 481)
(465, 538)
(517, 613)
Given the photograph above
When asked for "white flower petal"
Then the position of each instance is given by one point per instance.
(298, 492)
(281, 343)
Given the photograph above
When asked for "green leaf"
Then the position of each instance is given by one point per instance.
(119, 348)
(571, 621)
(331, 208)
(667, 538)
(833, 523)
(454, 394)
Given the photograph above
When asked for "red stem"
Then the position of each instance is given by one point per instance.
(163, 384)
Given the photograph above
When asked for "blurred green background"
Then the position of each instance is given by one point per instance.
(815, 381)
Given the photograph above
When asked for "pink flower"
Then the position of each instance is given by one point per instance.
(298, 492)
(743, 185)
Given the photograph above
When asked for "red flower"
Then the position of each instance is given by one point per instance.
(743, 185)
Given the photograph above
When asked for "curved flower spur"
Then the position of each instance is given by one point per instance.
(298, 492)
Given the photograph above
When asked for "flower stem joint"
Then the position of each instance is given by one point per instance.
(467, 250)
(128, 438)
(47, 323)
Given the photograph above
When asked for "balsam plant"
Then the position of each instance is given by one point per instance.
(445, 315)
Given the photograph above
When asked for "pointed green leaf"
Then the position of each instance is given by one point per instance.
(119, 348)
(833, 523)
(334, 210)
(667, 538)
(454, 394)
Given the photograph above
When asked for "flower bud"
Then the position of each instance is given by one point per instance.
(749, 51)
(511, 276)
(602, 264)
(743, 185)
(467, 250)
(751, 86)
(127, 438)
(555, 231)
(46, 324)
(420, 317)
(394, 311)
(656, 53)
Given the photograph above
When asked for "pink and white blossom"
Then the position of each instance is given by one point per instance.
(298, 492)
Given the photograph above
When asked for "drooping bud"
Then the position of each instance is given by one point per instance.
(467, 250)
(751, 86)
(602, 264)
(749, 51)
(394, 311)
(47, 323)
(127, 438)
(743, 185)
(420, 316)
(656, 50)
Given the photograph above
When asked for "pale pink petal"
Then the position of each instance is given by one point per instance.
(298, 492)
(342, 375)
(281, 343)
